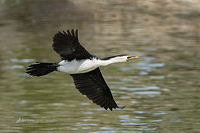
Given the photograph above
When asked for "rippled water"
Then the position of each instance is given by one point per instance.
(160, 90)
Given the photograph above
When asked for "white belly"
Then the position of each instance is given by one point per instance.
(77, 66)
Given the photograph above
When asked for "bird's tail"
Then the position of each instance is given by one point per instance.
(40, 69)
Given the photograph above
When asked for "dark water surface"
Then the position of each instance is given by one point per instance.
(161, 90)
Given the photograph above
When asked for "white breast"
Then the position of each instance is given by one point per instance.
(77, 66)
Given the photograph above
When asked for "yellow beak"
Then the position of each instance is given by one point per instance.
(132, 57)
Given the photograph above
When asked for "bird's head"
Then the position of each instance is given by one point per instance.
(116, 59)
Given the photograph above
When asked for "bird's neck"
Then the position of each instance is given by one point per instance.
(112, 60)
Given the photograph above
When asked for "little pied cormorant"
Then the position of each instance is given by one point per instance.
(82, 66)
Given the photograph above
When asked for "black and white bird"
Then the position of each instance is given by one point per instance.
(82, 66)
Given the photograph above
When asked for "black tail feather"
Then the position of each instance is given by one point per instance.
(40, 69)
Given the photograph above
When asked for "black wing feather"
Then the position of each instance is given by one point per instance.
(93, 85)
(67, 45)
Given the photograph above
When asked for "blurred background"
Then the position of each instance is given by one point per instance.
(160, 90)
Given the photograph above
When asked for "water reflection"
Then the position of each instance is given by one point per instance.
(160, 90)
(14, 60)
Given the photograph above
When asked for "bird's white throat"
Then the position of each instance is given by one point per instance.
(116, 59)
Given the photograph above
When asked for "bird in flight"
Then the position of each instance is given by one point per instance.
(82, 66)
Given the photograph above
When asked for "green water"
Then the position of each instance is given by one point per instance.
(161, 90)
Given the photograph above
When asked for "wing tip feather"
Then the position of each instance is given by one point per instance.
(96, 92)
(72, 34)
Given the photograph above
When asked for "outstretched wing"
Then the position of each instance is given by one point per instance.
(95, 88)
(67, 45)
